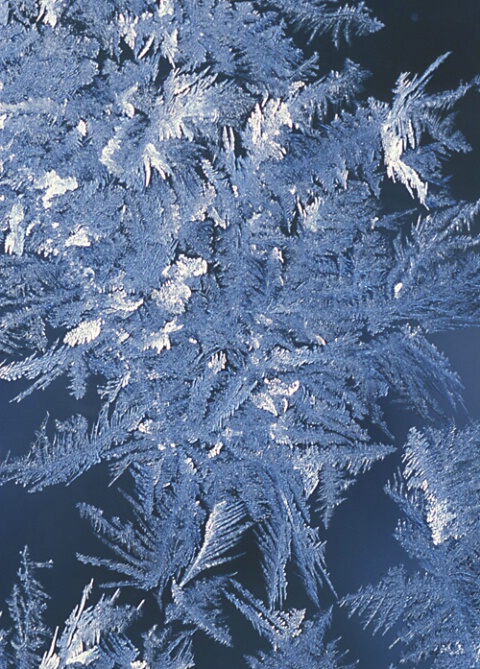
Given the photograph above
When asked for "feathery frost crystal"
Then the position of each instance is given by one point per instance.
(193, 223)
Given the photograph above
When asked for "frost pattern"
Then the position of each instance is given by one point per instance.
(193, 226)
(84, 333)
(435, 608)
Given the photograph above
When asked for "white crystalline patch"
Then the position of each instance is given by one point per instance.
(397, 289)
(265, 125)
(145, 427)
(191, 465)
(255, 122)
(278, 255)
(397, 169)
(218, 220)
(275, 389)
(129, 109)
(264, 320)
(309, 213)
(80, 656)
(278, 387)
(3, 118)
(188, 267)
(173, 295)
(54, 185)
(152, 158)
(125, 102)
(120, 302)
(122, 336)
(170, 45)
(217, 362)
(47, 248)
(165, 7)
(265, 402)
(79, 238)
(161, 340)
(14, 241)
(213, 452)
(108, 152)
(273, 116)
(48, 12)
(255, 343)
(308, 464)
(440, 520)
(84, 333)
(146, 48)
(82, 127)
(127, 26)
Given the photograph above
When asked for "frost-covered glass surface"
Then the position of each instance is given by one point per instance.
(198, 231)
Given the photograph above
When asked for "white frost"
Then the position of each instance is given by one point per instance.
(152, 158)
(161, 340)
(440, 520)
(265, 402)
(54, 185)
(14, 241)
(174, 293)
(79, 238)
(84, 333)
(217, 362)
(108, 152)
(397, 289)
(394, 146)
(48, 12)
(82, 127)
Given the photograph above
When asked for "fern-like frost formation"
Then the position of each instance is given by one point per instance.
(193, 225)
